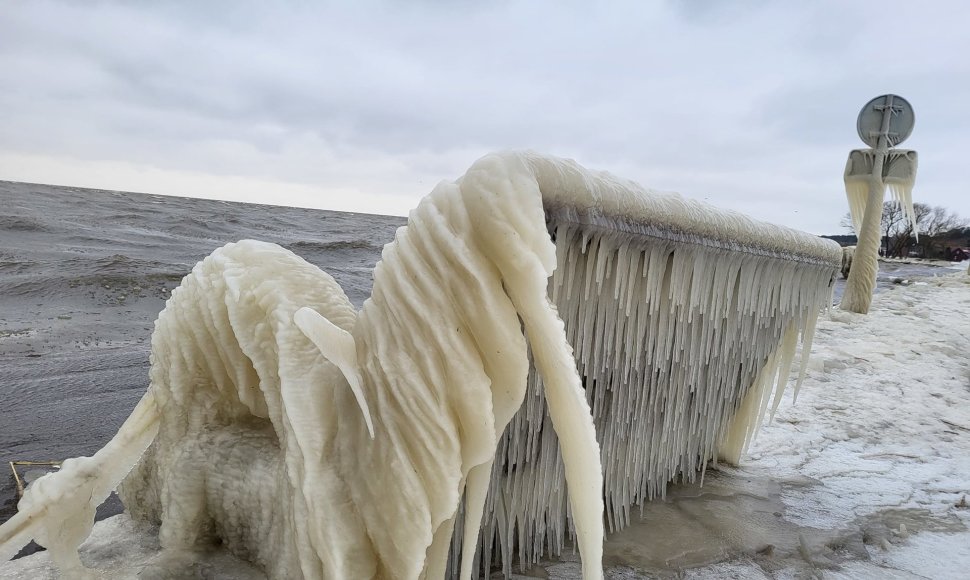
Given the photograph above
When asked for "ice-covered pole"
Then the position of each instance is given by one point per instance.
(862, 278)
(874, 169)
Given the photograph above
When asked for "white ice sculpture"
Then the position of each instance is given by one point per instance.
(319, 442)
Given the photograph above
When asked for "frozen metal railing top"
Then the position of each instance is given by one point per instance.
(618, 204)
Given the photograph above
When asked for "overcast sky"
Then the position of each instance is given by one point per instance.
(364, 106)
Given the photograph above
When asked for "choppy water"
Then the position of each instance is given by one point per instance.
(83, 275)
(892, 273)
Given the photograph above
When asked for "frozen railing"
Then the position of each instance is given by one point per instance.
(684, 320)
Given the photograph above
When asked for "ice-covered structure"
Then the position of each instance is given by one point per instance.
(868, 174)
(684, 320)
(899, 177)
(320, 442)
(848, 254)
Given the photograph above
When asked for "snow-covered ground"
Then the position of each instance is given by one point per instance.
(867, 476)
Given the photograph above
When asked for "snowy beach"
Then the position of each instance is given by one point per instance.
(864, 477)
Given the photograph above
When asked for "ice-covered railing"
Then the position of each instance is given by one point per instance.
(684, 321)
(320, 442)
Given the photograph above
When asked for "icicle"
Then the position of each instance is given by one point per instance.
(899, 176)
(337, 345)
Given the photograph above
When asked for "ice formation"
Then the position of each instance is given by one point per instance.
(685, 321)
(848, 254)
(868, 173)
(899, 177)
(319, 442)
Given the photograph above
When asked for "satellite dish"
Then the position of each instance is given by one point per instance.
(871, 120)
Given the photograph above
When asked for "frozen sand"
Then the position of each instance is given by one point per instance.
(859, 479)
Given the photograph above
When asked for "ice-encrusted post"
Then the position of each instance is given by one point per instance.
(883, 123)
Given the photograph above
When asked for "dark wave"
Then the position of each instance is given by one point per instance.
(15, 223)
(13, 265)
(318, 246)
(54, 286)
(122, 264)
(73, 244)
(67, 276)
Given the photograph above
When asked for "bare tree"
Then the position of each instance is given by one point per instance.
(940, 221)
(933, 225)
(892, 224)
(932, 222)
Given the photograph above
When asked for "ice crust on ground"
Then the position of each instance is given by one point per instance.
(684, 319)
(879, 440)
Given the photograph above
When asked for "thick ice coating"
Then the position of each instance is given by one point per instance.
(451, 412)
(868, 173)
(264, 444)
(899, 177)
(685, 321)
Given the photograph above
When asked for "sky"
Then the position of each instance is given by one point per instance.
(364, 106)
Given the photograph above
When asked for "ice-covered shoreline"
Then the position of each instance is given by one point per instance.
(860, 479)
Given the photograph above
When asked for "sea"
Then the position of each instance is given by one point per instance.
(84, 274)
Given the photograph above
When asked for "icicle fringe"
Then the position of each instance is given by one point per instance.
(683, 336)
(899, 177)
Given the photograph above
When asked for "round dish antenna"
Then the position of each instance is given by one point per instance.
(871, 124)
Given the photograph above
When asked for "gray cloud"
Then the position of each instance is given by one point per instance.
(751, 105)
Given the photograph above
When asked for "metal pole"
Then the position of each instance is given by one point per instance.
(865, 264)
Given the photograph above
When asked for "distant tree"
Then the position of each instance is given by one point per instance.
(939, 221)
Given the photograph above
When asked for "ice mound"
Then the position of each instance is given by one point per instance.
(320, 442)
